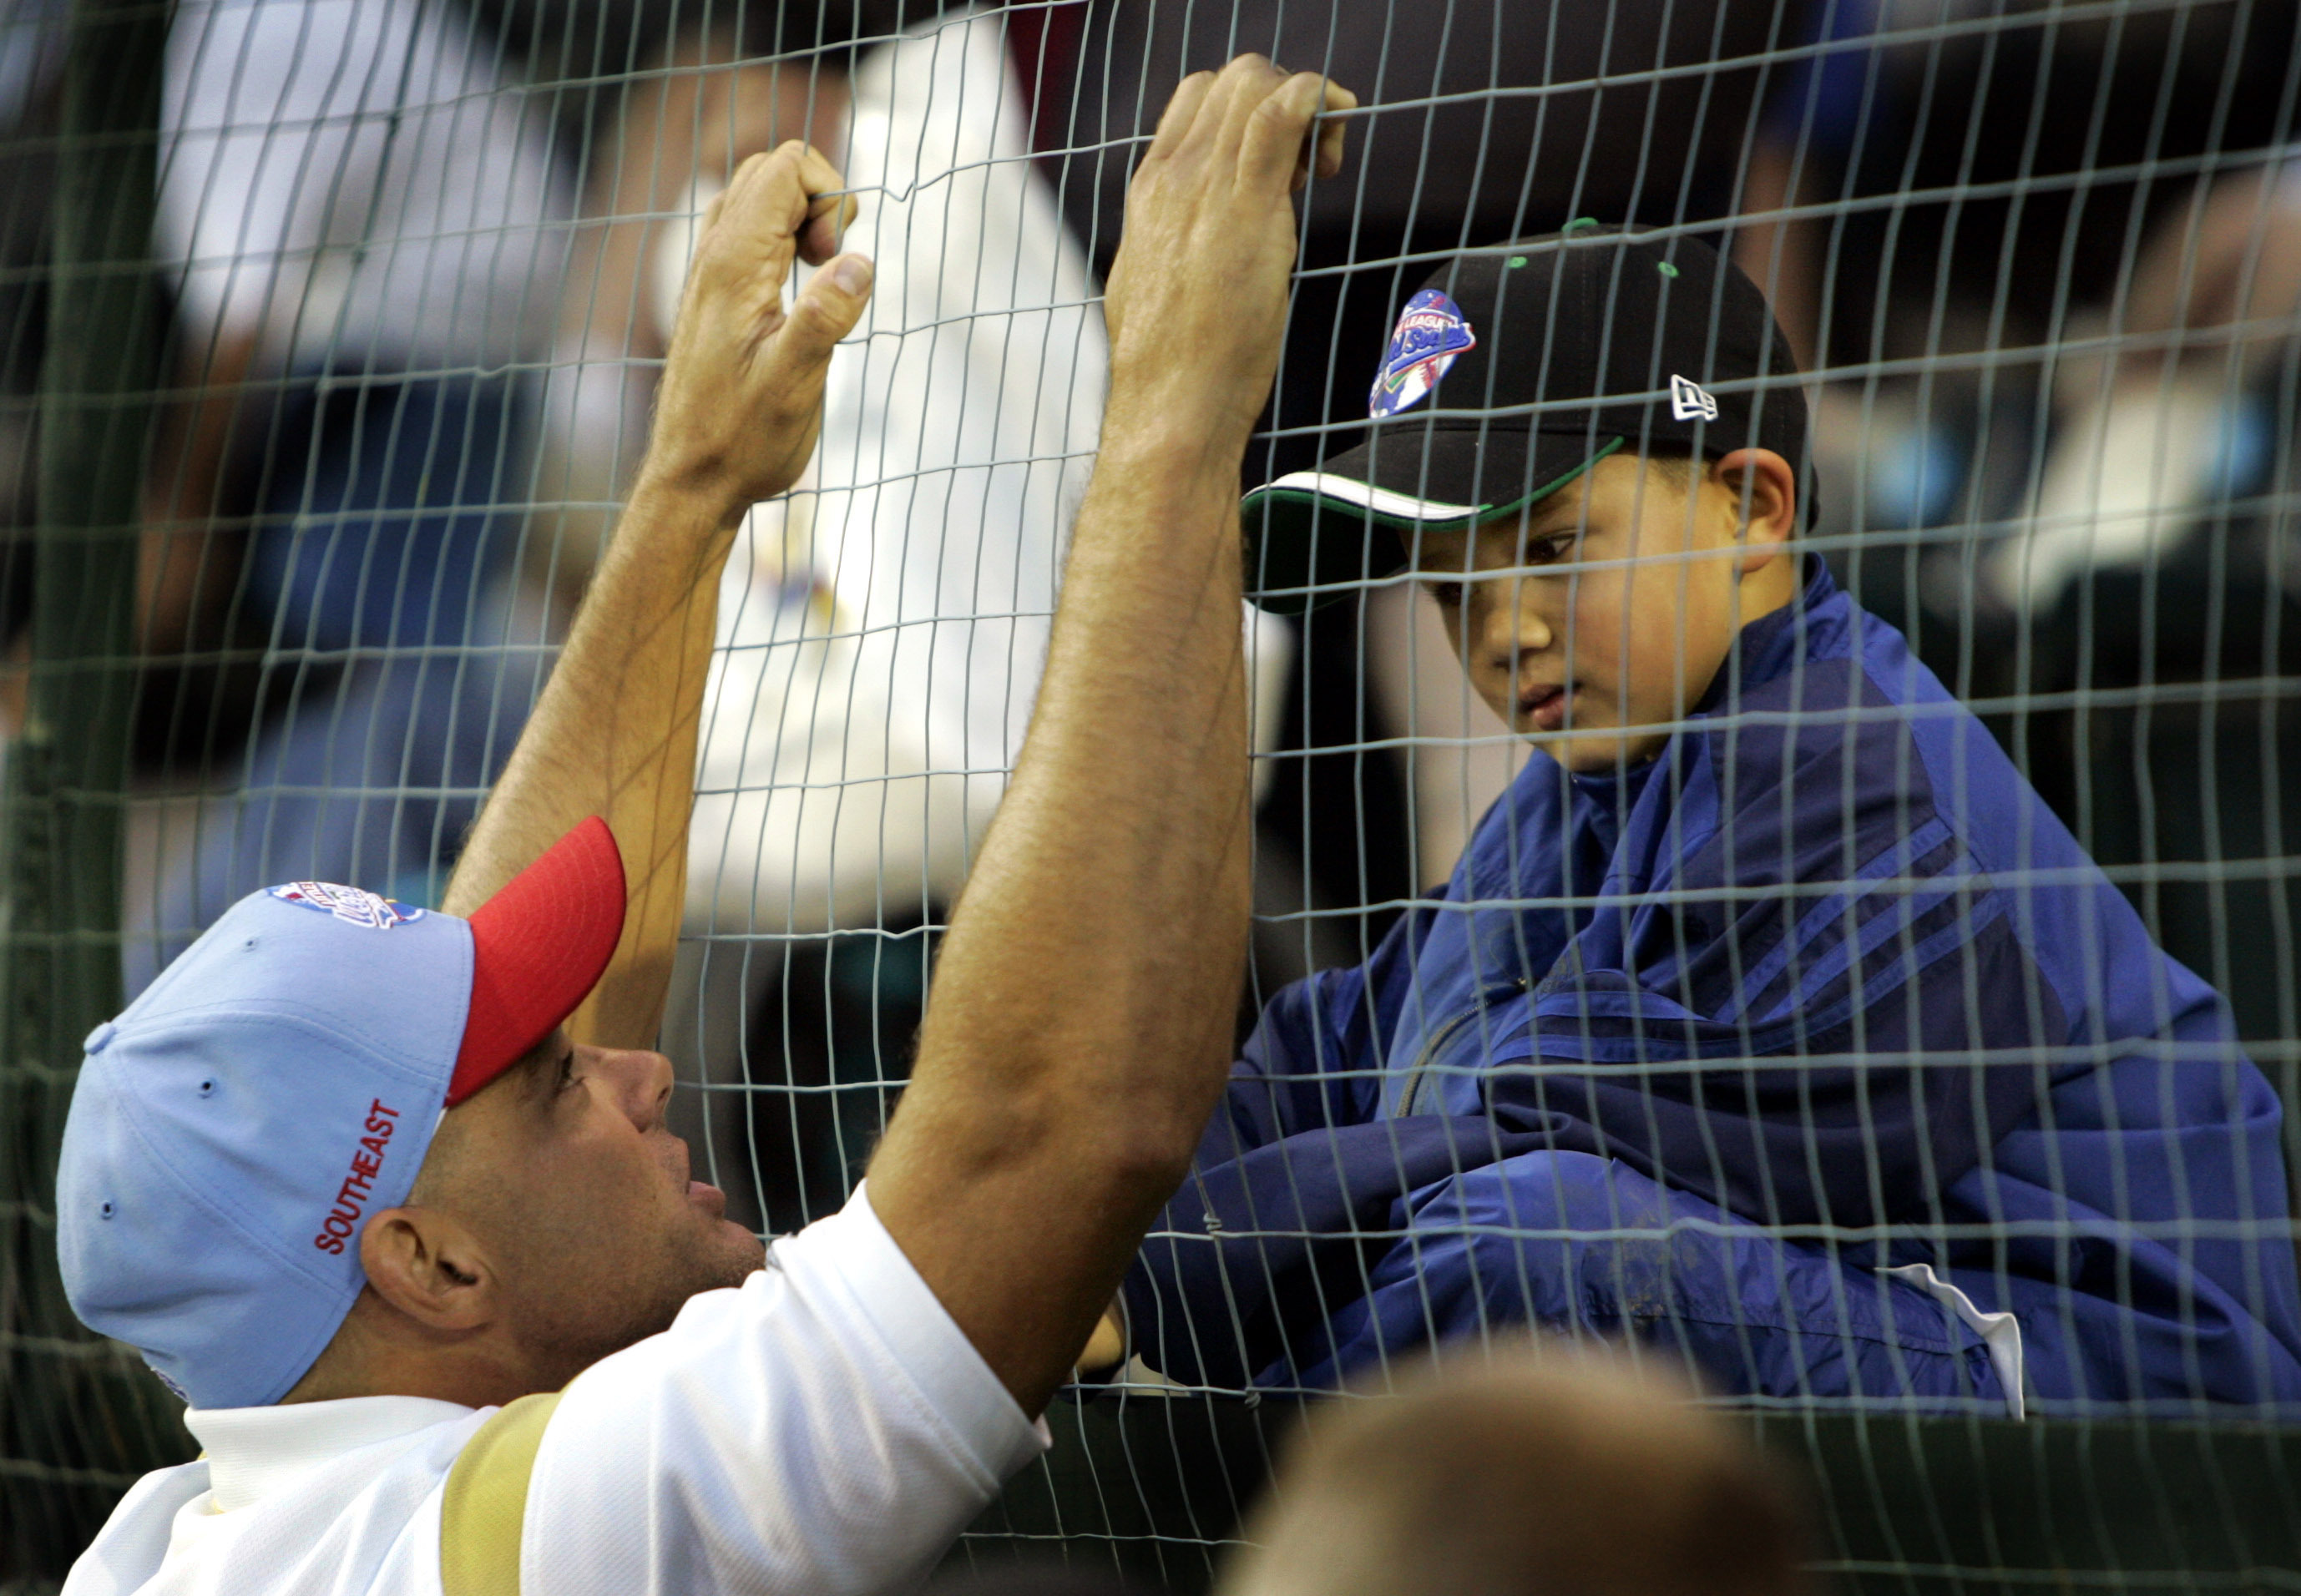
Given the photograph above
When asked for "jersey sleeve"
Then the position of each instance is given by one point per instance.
(826, 1427)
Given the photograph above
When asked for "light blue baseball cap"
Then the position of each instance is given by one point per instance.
(234, 1129)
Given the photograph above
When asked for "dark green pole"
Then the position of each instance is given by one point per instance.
(77, 1418)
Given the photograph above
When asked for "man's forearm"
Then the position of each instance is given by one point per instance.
(1091, 978)
(1142, 905)
(1080, 1028)
(613, 735)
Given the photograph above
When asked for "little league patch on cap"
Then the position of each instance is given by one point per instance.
(1430, 336)
(232, 1132)
(354, 905)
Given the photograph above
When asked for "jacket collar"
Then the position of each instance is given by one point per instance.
(1771, 646)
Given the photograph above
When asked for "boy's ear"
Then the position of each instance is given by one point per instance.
(1765, 493)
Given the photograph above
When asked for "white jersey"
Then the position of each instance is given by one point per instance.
(824, 1428)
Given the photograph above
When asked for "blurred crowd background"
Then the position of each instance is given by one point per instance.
(423, 257)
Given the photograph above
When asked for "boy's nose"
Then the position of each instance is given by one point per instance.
(1515, 626)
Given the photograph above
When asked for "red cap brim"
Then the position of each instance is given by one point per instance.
(538, 949)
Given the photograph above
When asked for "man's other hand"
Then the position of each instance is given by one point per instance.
(1197, 300)
(737, 414)
(742, 399)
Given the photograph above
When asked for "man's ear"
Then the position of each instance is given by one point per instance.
(425, 1263)
(1765, 497)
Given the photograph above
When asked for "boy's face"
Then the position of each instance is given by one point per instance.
(1599, 615)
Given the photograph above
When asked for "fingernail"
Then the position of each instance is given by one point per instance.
(852, 274)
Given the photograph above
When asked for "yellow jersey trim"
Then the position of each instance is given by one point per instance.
(485, 1503)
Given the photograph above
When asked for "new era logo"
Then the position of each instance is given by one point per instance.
(1690, 401)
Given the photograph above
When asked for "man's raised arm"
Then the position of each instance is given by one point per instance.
(614, 732)
(1081, 1027)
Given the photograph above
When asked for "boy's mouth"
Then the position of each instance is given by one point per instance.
(1543, 709)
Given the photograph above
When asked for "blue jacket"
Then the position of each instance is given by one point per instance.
(1828, 964)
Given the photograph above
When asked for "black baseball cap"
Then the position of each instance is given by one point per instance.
(1511, 372)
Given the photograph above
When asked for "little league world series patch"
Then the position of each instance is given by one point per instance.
(1430, 336)
(354, 905)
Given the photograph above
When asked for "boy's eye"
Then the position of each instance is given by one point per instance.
(1544, 551)
(1448, 595)
(567, 1070)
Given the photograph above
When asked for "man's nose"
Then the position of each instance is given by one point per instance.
(640, 1081)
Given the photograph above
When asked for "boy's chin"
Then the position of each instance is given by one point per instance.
(1601, 751)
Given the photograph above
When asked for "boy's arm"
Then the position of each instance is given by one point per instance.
(613, 733)
(1081, 1024)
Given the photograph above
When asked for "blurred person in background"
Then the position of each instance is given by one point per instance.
(31, 74)
(816, 814)
(2174, 412)
(1524, 1470)
(884, 629)
(359, 217)
(2059, 124)
(654, 108)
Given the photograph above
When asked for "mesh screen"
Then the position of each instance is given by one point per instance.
(1805, 1052)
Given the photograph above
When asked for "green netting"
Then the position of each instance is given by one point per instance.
(328, 336)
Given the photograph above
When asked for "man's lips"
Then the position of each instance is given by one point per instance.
(1543, 709)
(703, 1194)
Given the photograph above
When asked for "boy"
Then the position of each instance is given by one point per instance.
(1771, 1019)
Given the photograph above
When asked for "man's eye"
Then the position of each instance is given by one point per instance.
(567, 1071)
(1448, 595)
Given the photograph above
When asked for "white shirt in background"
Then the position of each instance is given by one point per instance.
(353, 181)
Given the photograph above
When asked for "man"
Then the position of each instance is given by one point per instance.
(388, 1195)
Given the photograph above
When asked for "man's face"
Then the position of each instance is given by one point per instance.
(583, 1201)
(1601, 614)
